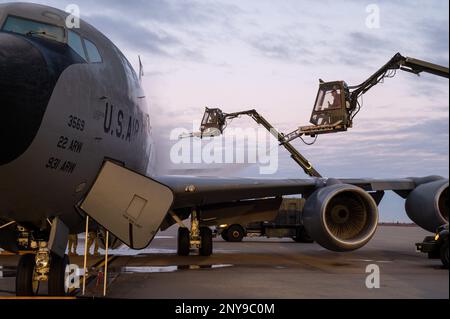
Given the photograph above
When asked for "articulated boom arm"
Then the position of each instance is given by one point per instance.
(398, 62)
(295, 155)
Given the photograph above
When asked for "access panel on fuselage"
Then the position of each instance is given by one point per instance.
(129, 205)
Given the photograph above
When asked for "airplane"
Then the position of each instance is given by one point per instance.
(76, 142)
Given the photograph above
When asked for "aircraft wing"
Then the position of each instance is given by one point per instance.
(242, 200)
(198, 191)
(134, 207)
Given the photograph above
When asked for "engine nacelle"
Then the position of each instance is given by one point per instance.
(340, 217)
(427, 205)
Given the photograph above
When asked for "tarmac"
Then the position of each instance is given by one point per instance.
(267, 268)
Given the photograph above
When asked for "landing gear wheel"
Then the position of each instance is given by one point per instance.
(224, 234)
(235, 233)
(206, 245)
(301, 236)
(444, 254)
(26, 285)
(57, 275)
(184, 242)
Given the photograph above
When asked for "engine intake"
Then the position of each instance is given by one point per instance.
(340, 217)
(427, 205)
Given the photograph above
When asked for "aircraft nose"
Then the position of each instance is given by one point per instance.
(25, 88)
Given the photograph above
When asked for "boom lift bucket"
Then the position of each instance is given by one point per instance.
(331, 110)
(331, 104)
(213, 122)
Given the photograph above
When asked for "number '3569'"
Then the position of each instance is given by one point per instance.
(76, 123)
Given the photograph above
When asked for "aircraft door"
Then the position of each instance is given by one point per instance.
(129, 205)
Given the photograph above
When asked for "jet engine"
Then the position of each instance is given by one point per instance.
(340, 217)
(427, 205)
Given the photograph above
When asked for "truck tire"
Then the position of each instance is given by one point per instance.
(184, 242)
(444, 253)
(224, 234)
(302, 236)
(435, 253)
(235, 233)
(206, 245)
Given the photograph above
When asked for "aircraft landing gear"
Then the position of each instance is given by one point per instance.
(184, 244)
(26, 278)
(57, 285)
(200, 237)
(206, 243)
(33, 269)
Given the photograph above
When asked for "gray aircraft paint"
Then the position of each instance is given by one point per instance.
(32, 192)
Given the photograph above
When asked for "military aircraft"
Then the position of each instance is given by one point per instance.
(76, 141)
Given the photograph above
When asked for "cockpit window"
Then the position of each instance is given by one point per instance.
(34, 28)
(92, 51)
(75, 43)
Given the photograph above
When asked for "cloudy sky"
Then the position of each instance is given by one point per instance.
(269, 55)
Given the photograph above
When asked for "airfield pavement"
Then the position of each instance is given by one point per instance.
(266, 268)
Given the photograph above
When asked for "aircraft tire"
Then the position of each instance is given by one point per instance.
(184, 242)
(25, 286)
(57, 275)
(206, 246)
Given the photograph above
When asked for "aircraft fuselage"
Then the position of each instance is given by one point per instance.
(63, 116)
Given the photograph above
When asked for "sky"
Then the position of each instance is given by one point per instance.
(269, 55)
